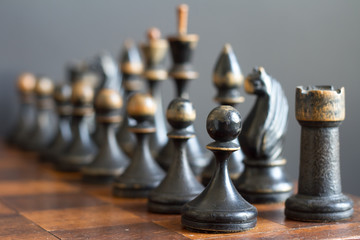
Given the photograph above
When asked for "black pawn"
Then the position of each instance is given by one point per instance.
(45, 127)
(228, 79)
(27, 113)
(155, 73)
(143, 173)
(182, 47)
(81, 150)
(131, 67)
(108, 72)
(180, 184)
(62, 96)
(220, 208)
(110, 160)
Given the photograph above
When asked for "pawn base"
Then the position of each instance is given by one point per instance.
(318, 209)
(217, 226)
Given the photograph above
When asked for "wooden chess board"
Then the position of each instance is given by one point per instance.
(37, 202)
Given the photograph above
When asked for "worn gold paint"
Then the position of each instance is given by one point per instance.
(229, 100)
(154, 75)
(193, 38)
(181, 114)
(184, 75)
(82, 92)
(222, 148)
(108, 99)
(320, 104)
(141, 105)
(230, 79)
(109, 119)
(44, 86)
(26, 82)
(132, 68)
(249, 88)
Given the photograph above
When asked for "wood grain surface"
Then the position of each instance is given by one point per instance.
(36, 202)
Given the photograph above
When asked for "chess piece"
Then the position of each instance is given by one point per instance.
(110, 160)
(131, 67)
(26, 120)
(228, 79)
(143, 174)
(182, 47)
(108, 72)
(180, 184)
(262, 139)
(155, 52)
(220, 208)
(81, 150)
(45, 127)
(62, 96)
(320, 110)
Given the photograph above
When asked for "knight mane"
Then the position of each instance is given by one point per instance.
(264, 138)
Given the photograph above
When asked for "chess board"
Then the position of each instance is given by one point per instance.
(37, 202)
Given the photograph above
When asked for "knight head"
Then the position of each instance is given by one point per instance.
(258, 82)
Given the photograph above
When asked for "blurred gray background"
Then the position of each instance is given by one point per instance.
(298, 43)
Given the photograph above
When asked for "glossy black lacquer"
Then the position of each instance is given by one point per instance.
(220, 208)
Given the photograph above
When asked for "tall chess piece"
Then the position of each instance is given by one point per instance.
(110, 160)
(220, 208)
(81, 150)
(131, 67)
(182, 47)
(108, 72)
(155, 52)
(320, 110)
(264, 179)
(27, 113)
(228, 79)
(143, 173)
(62, 96)
(45, 127)
(180, 184)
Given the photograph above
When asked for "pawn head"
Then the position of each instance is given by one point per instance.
(180, 113)
(141, 106)
(108, 99)
(82, 93)
(223, 123)
(44, 86)
(62, 93)
(26, 83)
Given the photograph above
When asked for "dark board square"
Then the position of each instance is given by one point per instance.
(145, 230)
(52, 201)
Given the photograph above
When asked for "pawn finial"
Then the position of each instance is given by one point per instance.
(180, 113)
(223, 123)
(141, 106)
(26, 82)
(44, 86)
